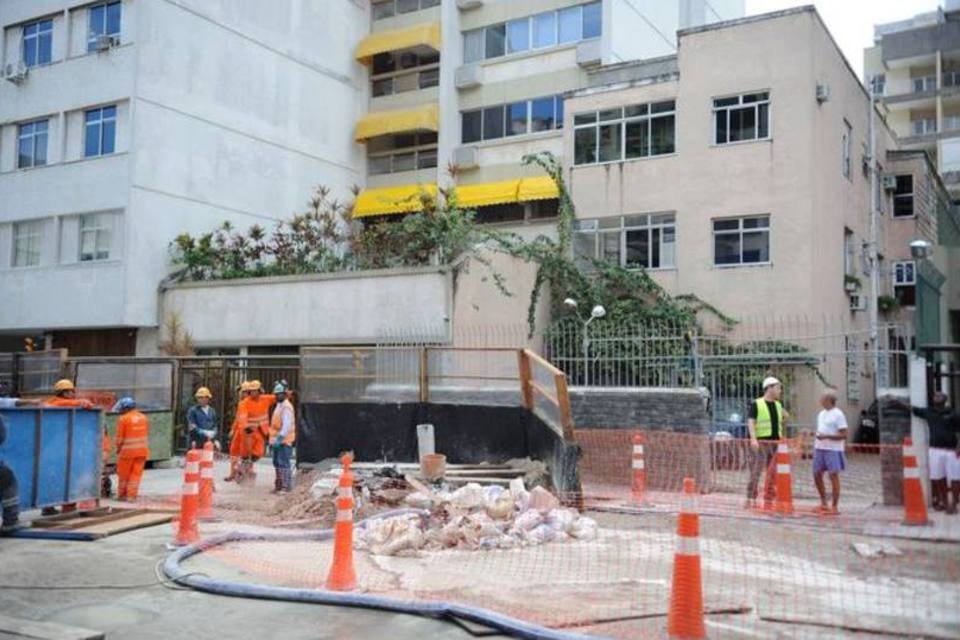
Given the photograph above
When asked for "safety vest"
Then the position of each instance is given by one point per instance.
(133, 430)
(764, 426)
(256, 412)
(276, 422)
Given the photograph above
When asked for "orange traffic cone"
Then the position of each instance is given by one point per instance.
(639, 470)
(784, 504)
(685, 617)
(342, 576)
(914, 506)
(205, 504)
(187, 529)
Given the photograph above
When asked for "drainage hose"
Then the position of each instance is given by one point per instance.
(439, 610)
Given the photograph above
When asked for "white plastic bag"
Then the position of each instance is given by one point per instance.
(468, 497)
(584, 529)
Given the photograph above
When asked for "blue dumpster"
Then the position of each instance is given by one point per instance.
(56, 454)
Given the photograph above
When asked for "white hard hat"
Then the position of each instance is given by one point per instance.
(769, 382)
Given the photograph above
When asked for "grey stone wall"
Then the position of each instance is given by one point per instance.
(655, 409)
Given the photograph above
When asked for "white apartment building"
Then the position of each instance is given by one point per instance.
(125, 123)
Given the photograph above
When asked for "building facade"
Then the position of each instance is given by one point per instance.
(125, 123)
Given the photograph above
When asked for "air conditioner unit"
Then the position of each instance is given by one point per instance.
(858, 303)
(15, 72)
(823, 93)
(105, 42)
(466, 5)
(890, 183)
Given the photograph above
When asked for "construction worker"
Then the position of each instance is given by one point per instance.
(766, 422)
(828, 450)
(202, 421)
(133, 431)
(253, 428)
(65, 397)
(235, 446)
(283, 432)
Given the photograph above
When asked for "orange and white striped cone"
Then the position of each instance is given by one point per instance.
(343, 576)
(914, 506)
(685, 616)
(205, 503)
(784, 504)
(639, 485)
(187, 527)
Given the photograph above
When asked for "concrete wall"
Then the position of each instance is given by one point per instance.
(349, 308)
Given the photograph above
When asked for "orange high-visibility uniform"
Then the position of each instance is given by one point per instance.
(276, 422)
(254, 414)
(133, 430)
(67, 403)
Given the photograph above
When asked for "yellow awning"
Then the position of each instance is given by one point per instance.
(488, 193)
(519, 190)
(381, 123)
(539, 188)
(397, 39)
(392, 200)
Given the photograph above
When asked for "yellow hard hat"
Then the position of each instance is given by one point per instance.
(64, 385)
(254, 385)
(245, 385)
(203, 392)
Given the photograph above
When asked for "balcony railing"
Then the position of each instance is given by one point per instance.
(926, 83)
(403, 81)
(951, 79)
(407, 160)
(951, 123)
(923, 127)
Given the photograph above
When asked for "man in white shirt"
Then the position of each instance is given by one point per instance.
(828, 450)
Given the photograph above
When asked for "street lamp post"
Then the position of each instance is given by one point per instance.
(595, 313)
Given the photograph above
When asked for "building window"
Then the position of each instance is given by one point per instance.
(740, 118)
(903, 197)
(951, 78)
(404, 152)
(407, 71)
(634, 131)
(847, 148)
(38, 43)
(516, 118)
(643, 241)
(741, 241)
(905, 282)
(391, 8)
(879, 84)
(95, 237)
(32, 144)
(104, 21)
(926, 83)
(573, 24)
(100, 131)
(849, 253)
(924, 126)
(513, 212)
(26, 243)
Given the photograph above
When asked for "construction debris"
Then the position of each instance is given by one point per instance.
(476, 517)
(876, 550)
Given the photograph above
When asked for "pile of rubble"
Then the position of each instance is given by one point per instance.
(476, 517)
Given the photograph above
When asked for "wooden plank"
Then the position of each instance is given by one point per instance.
(19, 628)
(81, 520)
(478, 479)
(563, 402)
(523, 363)
(138, 521)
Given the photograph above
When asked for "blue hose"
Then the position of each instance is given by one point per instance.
(174, 571)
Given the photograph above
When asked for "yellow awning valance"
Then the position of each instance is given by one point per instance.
(486, 194)
(392, 200)
(420, 34)
(381, 123)
(519, 190)
(539, 188)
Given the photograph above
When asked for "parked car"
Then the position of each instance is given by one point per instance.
(868, 429)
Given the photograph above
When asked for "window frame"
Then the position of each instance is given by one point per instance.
(902, 268)
(505, 107)
(102, 228)
(598, 228)
(646, 116)
(847, 159)
(897, 195)
(740, 105)
(33, 136)
(420, 71)
(740, 231)
(100, 128)
(395, 5)
(25, 41)
(35, 248)
(92, 34)
(532, 32)
(420, 150)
